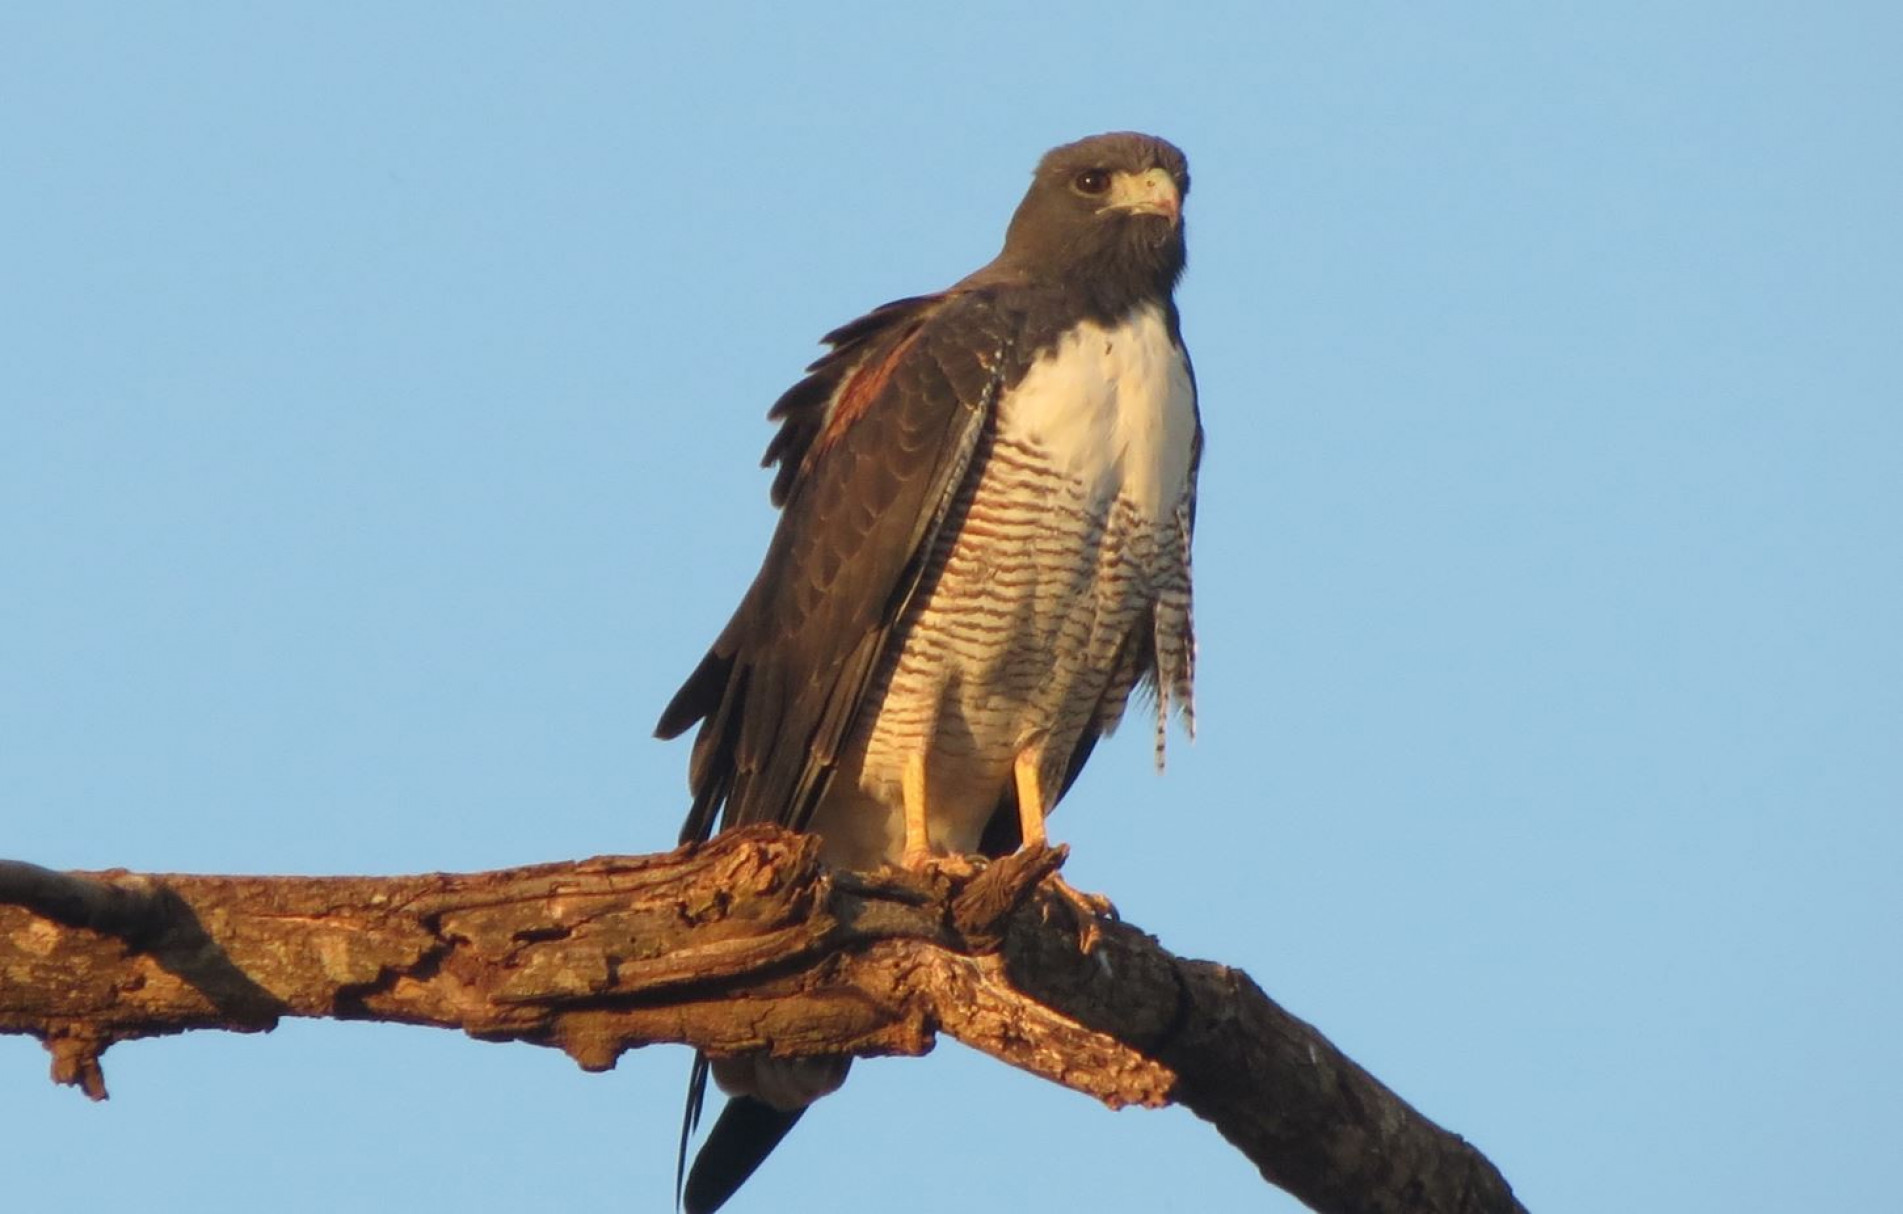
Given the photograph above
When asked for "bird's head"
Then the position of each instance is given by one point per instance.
(1107, 212)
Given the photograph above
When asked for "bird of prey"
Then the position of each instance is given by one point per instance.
(987, 496)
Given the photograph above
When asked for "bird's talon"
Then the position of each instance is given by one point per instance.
(955, 866)
(960, 866)
(1087, 910)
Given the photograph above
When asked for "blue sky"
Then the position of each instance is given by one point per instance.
(380, 396)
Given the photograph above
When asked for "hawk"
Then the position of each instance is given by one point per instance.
(987, 497)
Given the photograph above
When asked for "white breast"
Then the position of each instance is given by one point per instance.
(1112, 405)
(1074, 536)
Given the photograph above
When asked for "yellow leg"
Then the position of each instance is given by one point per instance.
(1088, 908)
(918, 837)
(1031, 805)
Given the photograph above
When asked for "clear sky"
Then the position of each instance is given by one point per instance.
(381, 390)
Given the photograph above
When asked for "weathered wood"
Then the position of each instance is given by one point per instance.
(746, 943)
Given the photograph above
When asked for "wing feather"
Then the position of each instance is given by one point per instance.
(805, 409)
(879, 457)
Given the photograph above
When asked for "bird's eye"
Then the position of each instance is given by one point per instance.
(1092, 181)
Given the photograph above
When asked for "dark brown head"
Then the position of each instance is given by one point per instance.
(1104, 216)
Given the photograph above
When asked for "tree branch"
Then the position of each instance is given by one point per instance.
(746, 943)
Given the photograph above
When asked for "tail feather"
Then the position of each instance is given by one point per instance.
(744, 1135)
(767, 1096)
(690, 1119)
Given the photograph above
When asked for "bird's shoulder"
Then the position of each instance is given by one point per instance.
(928, 352)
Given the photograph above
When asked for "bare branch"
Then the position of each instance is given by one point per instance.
(747, 943)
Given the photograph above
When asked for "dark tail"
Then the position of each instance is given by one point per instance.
(743, 1136)
(690, 1120)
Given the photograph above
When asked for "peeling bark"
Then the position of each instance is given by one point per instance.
(745, 943)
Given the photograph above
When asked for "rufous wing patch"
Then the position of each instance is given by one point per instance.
(863, 386)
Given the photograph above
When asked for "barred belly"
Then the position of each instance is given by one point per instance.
(1039, 606)
(1061, 576)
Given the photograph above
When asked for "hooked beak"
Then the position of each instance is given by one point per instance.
(1151, 192)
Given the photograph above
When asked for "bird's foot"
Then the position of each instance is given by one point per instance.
(1088, 911)
(926, 863)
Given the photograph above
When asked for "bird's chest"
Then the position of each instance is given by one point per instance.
(1054, 557)
(1111, 410)
(1066, 530)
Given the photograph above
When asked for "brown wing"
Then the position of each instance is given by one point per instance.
(804, 410)
(879, 438)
